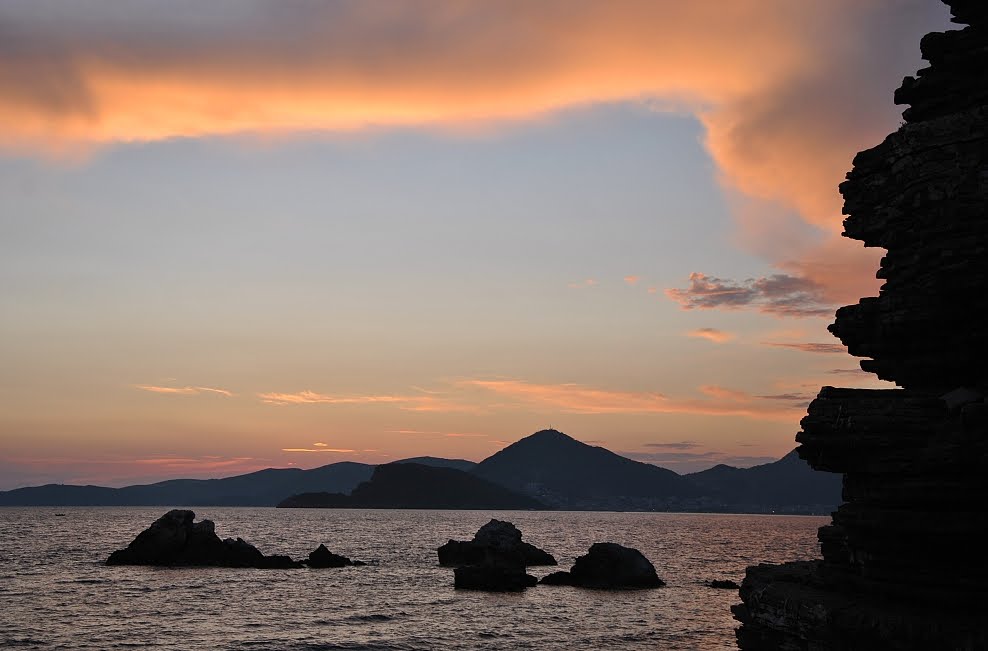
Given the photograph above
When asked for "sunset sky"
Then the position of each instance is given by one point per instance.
(240, 234)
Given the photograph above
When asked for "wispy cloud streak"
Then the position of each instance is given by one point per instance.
(431, 401)
(185, 391)
(579, 399)
(808, 347)
(778, 294)
(711, 334)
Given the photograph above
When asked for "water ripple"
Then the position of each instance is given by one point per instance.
(57, 593)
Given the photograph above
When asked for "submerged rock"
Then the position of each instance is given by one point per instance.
(498, 541)
(723, 584)
(174, 539)
(557, 578)
(493, 577)
(609, 566)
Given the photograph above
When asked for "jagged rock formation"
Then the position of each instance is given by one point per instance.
(495, 560)
(904, 563)
(176, 540)
(322, 557)
(498, 540)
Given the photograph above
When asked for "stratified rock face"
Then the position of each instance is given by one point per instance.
(904, 560)
(497, 540)
(609, 566)
(174, 539)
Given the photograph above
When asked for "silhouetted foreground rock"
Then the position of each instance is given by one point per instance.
(496, 541)
(175, 539)
(904, 563)
(495, 560)
(322, 557)
(609, 566)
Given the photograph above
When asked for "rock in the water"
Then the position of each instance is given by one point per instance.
(174, 539)
(904, 558)
(723, 584)
(499, 535)
(557, 578)
(609, 566)
(493, 577)
(322, 557)
(456, 553)
(496, 540)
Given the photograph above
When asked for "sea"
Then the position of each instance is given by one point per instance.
(55, 592)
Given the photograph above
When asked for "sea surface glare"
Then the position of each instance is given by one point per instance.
(55, 592)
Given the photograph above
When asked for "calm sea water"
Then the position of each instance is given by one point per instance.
(56, 594)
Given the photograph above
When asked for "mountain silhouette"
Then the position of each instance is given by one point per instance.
(547, 468)
(565, 473)
(438, 462)
(261, 488)
(781, 485)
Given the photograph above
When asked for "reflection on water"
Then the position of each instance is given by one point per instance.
(55, 592)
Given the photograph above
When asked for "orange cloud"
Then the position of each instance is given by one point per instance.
(786, 91)
(711, 334)
(184, 391)
(578, 399)
(722, 393)
(429, 402)
(632, 280)
(307, 397)
(583, 284)
(340, 450)
(194, 463)
(151, 74)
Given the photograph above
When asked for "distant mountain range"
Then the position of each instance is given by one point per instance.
(545, 470)
(261, 488)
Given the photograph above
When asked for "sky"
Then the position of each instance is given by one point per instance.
(247, 234)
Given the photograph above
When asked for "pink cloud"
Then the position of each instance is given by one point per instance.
(711, 334)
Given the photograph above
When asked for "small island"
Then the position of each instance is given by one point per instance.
(416, 486)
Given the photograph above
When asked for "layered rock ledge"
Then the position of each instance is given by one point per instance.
(904, 564)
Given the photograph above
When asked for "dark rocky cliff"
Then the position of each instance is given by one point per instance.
(904, 561)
